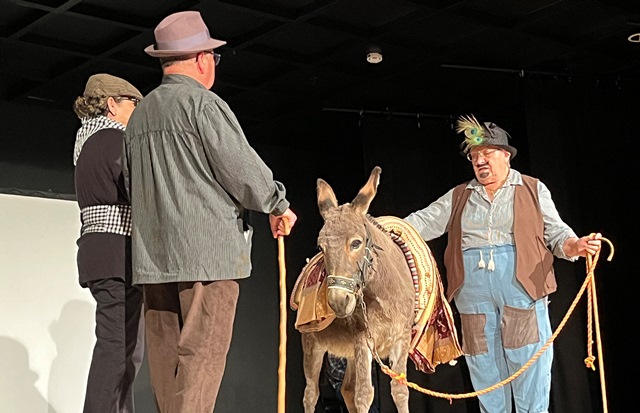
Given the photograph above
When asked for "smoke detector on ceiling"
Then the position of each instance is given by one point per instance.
(374, 54)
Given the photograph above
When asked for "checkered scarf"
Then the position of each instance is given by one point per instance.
(101, 218)
(91, 126)
(115, 219)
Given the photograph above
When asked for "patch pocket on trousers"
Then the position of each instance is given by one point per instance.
(474, 341)
(519, 327)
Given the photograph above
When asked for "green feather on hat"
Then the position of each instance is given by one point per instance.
(474, 132)
(477, 134)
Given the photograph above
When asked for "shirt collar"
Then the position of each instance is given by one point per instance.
(514, 178)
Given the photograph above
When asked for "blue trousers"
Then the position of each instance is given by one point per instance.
(502, 329)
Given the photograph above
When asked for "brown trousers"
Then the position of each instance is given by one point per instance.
(189, 327)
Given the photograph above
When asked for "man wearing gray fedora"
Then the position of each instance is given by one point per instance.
(192, 177)
(503, 233)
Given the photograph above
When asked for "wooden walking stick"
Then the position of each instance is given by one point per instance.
(282, 363)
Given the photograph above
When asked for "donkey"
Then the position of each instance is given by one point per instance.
(371, 291)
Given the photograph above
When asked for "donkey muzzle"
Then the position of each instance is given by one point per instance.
(341, 295)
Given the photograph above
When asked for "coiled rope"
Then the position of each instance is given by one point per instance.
(592, 309)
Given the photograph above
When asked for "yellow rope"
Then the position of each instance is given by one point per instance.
(591, 266)
(588, 282)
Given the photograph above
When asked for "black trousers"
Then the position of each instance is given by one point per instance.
(119, 348)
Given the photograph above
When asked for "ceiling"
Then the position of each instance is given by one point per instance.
(284, 56)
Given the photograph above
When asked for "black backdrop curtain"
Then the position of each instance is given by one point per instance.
(580, 143)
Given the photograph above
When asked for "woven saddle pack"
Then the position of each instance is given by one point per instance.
(434, 336)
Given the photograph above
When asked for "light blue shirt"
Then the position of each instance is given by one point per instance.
(486, 223)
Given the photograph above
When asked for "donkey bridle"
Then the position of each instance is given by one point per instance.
(351, 285)
(358, 282)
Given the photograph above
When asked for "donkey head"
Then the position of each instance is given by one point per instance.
(346, 243)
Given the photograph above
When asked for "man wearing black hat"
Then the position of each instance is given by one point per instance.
(503, 233)
(193, 177)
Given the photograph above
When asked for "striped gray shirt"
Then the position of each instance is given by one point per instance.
(191, 176)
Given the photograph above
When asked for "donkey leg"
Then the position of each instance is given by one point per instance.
(312, 364)
(398, 363)
(348, 386)
(357, 387)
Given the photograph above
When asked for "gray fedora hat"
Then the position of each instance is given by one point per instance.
(486, 134)
(181, 34)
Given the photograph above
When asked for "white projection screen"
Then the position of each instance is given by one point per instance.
(46, 318)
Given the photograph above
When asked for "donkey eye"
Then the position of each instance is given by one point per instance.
(355, 244)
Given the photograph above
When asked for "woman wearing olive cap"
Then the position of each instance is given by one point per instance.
(104, 246)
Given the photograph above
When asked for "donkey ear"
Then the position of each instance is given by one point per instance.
(326, 197)
(362, 201)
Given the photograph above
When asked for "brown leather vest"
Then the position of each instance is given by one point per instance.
(534, 261)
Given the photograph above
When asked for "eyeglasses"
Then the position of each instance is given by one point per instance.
(131, 98)
(216, 56)
(485, 153)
